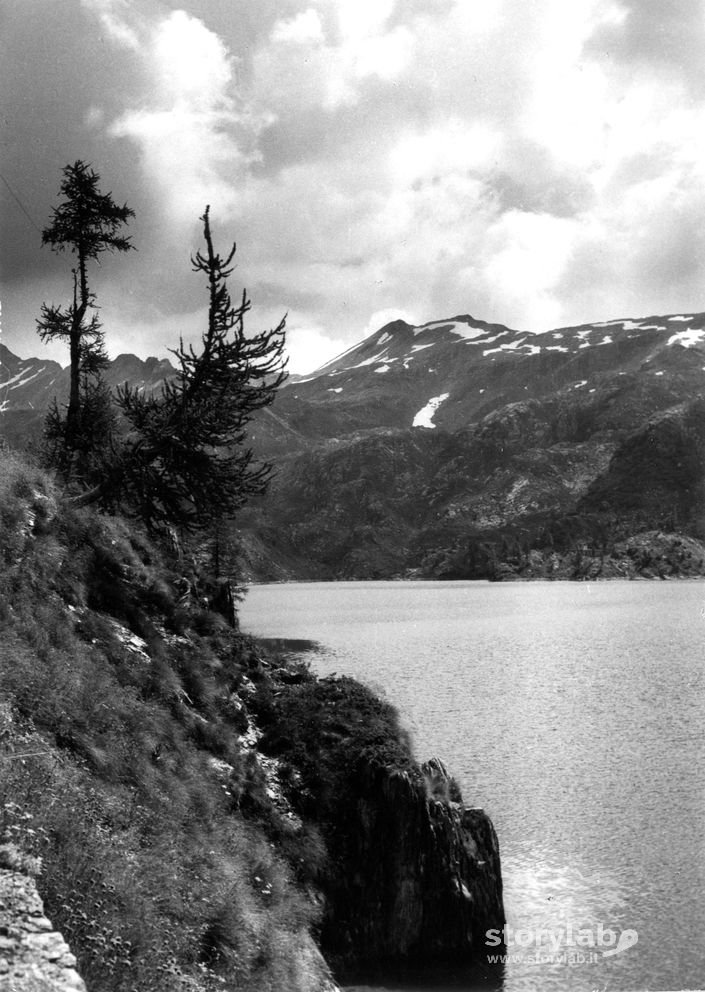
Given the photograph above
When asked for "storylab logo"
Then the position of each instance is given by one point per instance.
(560, 945)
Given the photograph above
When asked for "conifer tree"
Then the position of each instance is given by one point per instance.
(87, 223)
(186, 460)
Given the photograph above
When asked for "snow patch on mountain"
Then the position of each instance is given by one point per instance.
(509, 346)
(627, 325)
(424, 418)
(434, 325)
(17, 380)
(367, 361)
(464, 330)
(467, 333)
(687, 338)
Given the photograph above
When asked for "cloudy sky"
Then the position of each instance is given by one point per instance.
(532, 162)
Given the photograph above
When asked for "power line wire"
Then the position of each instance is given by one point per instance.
(20, 204)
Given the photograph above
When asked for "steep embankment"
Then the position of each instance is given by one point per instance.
(200, 814)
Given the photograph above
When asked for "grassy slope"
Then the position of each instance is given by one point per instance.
(165, 861)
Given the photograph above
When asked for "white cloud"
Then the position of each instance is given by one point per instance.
(385, 56)
(453, 146)
(378, 158)
(114, 17)
(309, 347)
(361, 19)
(305, 28)
(194, 138)
(526, 259)
(381, 317)
(329, 70)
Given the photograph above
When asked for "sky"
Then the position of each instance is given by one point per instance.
(536, 163)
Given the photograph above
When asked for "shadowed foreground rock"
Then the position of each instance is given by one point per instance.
(421, 882)
(33, 956)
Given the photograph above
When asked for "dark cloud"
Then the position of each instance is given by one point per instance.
(669, 262)
(452, 157)
(666, 36)
(531, 180)
(363, 130)
(654, 263)
(54, 71)
(561, 196)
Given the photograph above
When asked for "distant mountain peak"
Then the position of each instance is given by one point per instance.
(32, 383)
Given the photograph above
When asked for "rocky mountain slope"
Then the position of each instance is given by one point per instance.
(449, 374)
(28, 386)
(464, 449)
(458, 448)
(31, 384)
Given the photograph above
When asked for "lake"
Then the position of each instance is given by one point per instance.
(574, 713)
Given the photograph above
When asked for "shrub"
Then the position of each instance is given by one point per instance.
(329, 729)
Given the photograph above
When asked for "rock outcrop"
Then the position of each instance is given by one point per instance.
(33, 956)
(409, 875)
(423, 881)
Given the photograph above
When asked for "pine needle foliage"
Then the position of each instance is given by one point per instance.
(186, 459)
(86, 223)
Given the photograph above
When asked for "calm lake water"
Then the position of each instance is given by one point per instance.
(575, 714)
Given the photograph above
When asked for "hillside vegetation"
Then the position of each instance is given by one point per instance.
(201, 814)
(129, 780)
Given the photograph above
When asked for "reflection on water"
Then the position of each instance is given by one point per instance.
(295, 647)
(575, 714)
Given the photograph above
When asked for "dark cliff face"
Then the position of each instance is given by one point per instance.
(419, 881)
(412, 876)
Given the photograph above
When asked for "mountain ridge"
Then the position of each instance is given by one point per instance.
(414, 448)
(465, 449)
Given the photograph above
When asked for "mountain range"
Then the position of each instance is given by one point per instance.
(28, 386)
(459, 448)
